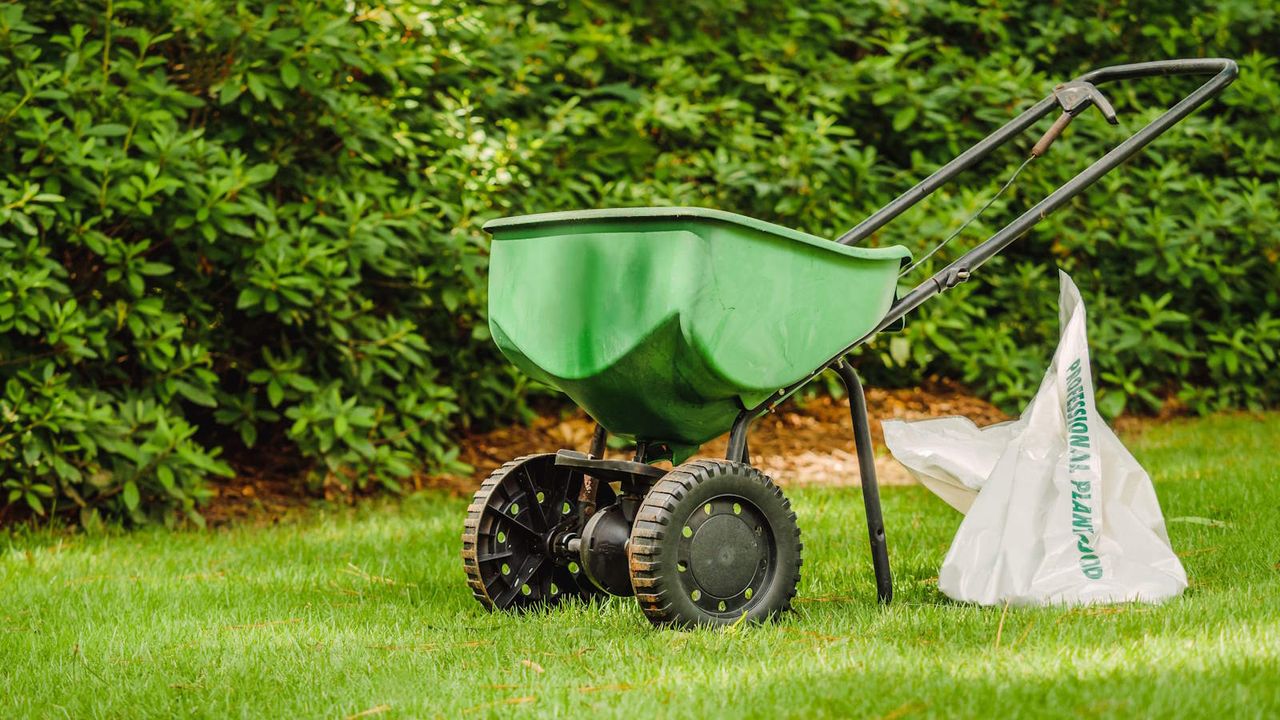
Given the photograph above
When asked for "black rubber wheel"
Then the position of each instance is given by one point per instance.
(714, 541)
(513, 521)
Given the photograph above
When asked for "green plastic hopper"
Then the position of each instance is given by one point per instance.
(663, 323)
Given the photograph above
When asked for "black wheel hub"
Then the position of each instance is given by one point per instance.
(513, 540)
(726, 552)
(604, 550)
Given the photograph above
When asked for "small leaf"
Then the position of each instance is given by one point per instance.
(165, 474)
(230, 91)
(903, 118)
(900, 350)
(255, 86)
(108, 130)
(130, 495)
(289, 75)
(275, 393)
(303, 383)
(195, 394)
(261, 173)
(1111, 404)
(24, 223)
(248, 298)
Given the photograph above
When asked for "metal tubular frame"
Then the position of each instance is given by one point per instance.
(870, 487)
(1224, 71)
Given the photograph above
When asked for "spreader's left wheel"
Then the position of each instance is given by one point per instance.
(714, 543)
(512, 541)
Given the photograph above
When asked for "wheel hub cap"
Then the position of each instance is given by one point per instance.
(725, 554)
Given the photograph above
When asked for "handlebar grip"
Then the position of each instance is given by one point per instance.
(1187, 66)
(1042, 145)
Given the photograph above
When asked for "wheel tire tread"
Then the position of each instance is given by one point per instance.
(471, 529)
(655, 517)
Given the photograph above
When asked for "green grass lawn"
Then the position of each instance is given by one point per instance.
(366, 611)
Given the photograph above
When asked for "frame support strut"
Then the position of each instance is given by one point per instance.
(737, 451)
(591, 485)
(870, 487)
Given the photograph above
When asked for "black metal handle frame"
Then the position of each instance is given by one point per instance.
(1224, 71)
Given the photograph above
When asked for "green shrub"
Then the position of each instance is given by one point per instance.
(227, 226)
(230, 228)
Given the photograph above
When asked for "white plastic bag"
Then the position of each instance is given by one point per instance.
(1056, 509)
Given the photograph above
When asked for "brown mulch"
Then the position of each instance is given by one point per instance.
(269, 485)
(801, 443)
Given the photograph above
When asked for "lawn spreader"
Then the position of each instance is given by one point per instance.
(670, 326)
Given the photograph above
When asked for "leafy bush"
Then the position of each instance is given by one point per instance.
(229, 225)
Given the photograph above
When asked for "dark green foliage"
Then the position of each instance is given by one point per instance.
(248, 224)
(232, 226)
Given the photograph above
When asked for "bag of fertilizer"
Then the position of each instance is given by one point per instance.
(1056, 509)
